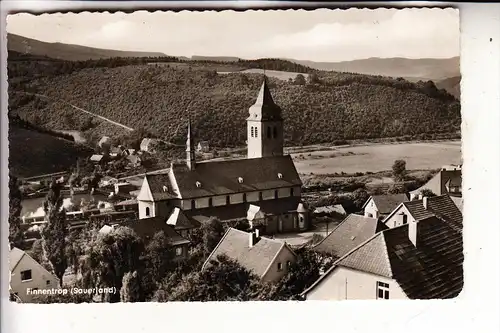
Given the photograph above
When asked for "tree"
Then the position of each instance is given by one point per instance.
(313, 78)
(300, 80)
(427, 193)
(15, 232)
(108, 257)
(399, 170)
(55, 231)
(359, 197)
(213, 230)
(131, 290)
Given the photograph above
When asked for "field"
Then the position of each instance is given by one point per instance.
(281, 75)
(378, 157)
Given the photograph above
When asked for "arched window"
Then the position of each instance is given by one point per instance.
(260, 196)
(275, 194)
(244, 197)
(291, 191)
(147, 211)
(256, 132)
(275, 132)
(209, 202)
(193, 204)
(268, 132)
(227, 200)
(252, 130)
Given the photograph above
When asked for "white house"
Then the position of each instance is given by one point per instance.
(27, 276)
(379, 206)
(411, 261)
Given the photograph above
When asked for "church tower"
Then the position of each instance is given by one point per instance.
(190, 153)
(264, 126)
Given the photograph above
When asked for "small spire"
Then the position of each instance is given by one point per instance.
(190, 156)
(189, 141)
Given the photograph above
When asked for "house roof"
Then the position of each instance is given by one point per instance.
(352, 231)
(441, 206)
(431, 270)
(264, 107)
(147, 228)
(127, 202)
(160, 186)
(222, 177)
(330, 209)
(258, 258)
(386, 203)
(236, 211)
(15, 257)
(179, 220)
(96, 157)
(148, 141)
(438, 183)
(459, 202)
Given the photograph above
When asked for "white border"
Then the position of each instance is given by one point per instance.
(475, 311)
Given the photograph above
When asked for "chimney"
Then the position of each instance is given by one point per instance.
(253, 237)
(424, 202)
(413, 232)
(257, 234)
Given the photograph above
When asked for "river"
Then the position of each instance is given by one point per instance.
(31, 205)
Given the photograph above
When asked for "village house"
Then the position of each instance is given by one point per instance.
(351, 232)
(27, 274)
(203, 147)
(379, 206)
(269, 259)
(226, 189)
(149, 145)
(127, 205)
(446, 181)
(124, 188)
(96, 158)
(419, 260)
(425, 207)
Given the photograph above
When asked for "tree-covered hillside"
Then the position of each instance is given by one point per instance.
(332, 106)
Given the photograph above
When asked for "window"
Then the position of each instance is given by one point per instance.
(280, 267)
(280, 176)
(252, 130)
(260, 196)
(178, 251)
(276, 194)
(193, 204)
(227, 200)
(382, 290)
(268, 132)
(301, 218)
(47, 282)
(244, 197)
(275, 132)
(288, 264)
(405, 219)
(256, 132)
(209, 202)
(147, 211)
(26, 275)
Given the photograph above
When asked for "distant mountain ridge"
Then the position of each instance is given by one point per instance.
(410, 69)
(68, 51)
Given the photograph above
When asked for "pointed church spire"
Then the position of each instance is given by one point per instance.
(264, 107)
(190, 157)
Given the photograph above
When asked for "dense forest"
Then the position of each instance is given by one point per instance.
(329, 106)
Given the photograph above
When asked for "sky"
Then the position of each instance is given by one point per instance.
(319, 35)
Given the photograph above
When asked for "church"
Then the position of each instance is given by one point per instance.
(264, 188)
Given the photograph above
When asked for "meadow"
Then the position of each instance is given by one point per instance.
(378, 157)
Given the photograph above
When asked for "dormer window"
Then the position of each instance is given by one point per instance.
(280, 175)
(198, 184)
(165, 188)
(240, 180)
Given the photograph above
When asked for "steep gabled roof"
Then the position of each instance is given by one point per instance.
(15, 257)
(352, 231)
(223, 177)
(432, 269)
(258, 258)
(160, 186)
(441, 206)
(179, 220)
(386, 203)
(264, 107)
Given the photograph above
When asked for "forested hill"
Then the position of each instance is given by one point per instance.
(155, 98)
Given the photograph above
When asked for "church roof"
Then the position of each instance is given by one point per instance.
(264, 107)
(236, 176)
